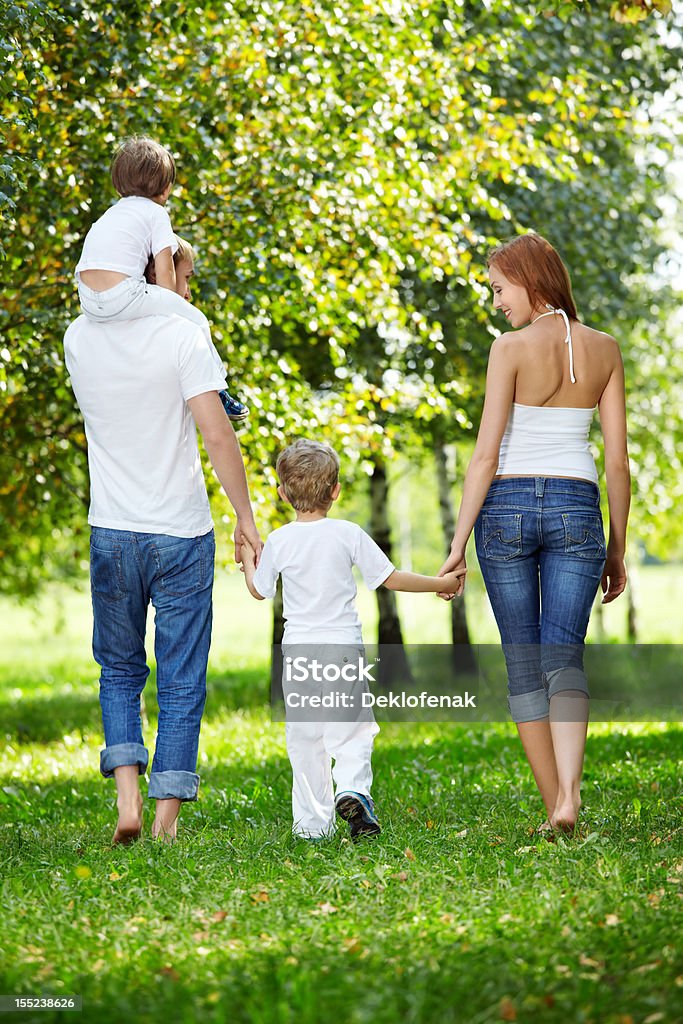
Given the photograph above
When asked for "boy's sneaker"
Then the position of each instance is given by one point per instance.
(359, 811)
(236, 410)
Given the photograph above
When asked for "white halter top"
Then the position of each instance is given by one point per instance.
(548, 440)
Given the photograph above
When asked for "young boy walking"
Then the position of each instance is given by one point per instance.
(315, 556)
(111, 270)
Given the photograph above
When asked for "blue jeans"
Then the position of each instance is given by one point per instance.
(541, 548)
(127, 571)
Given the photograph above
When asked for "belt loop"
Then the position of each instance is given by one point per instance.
(540, 486)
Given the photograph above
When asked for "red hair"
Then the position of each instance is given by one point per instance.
(530, 261)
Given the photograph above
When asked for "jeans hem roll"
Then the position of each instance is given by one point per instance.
(528, 707)
(122, 754)
(173, 785)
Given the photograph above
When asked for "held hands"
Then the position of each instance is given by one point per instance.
(248, 544)
(455, 566)
(614, 577)
(454, 583)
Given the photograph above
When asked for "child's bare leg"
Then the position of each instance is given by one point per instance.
(166, 819)
(129, 804)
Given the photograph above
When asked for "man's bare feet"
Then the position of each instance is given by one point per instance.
(166, 820)
(129, 825)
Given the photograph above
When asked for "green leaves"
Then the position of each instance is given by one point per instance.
(342, 171)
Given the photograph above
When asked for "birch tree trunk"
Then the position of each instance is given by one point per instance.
(463, 655)
(393, 661)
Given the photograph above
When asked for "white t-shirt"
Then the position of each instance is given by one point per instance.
(126, 235)
(132, 382)
(318, 589)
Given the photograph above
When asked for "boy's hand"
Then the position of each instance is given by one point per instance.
(246, 535)
(454, 583)
(247, 552)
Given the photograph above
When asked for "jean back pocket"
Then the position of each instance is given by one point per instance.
(502, 535)
(584, 535)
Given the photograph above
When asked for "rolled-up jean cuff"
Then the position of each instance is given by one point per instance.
(528, 707)
(173, 785)
(122, 754)
(570, 678)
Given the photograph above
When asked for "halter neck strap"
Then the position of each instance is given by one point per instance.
(568, 338)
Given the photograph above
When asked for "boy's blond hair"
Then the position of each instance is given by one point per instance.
(141, 167)
(308, 472)
(184, 253)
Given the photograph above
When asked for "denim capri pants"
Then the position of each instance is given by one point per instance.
(541, 548)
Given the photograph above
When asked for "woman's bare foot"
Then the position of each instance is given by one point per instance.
(129, 825)
(566, 815)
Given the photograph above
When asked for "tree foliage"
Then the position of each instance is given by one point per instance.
(342, 169)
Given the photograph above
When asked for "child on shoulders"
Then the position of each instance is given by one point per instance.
(111, 271)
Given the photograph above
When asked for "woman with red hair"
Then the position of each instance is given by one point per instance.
(531, 495)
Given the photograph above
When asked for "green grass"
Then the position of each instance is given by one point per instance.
(455, 914)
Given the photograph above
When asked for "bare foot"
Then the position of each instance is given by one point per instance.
(129, 825)
(546, 830)
(566, 815)
(166, 820)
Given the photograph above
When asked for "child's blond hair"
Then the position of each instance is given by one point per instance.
(184, 253)
(308, 472)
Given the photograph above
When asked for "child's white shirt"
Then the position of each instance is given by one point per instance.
(315, 560)
(126, 235)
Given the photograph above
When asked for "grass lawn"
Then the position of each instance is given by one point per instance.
(455, 913)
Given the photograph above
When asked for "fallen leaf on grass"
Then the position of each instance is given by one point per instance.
(462, 834)
(114, 876)
(353, 945)
(429, 824)
(645, 968)
(324, 908)
(506, 1009)
(611, 920)
(401, 876)
(170, 972)
(409, 853)
(654, 1018)
(587, 961)
(260, 897)
(220, 915)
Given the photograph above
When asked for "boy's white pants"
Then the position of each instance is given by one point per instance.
(134, 298)
(312, 746)
(327, 757)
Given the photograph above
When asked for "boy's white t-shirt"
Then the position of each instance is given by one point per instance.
(315, 560)
(132, 382)
(125, 237)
